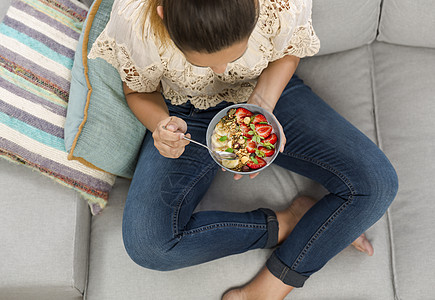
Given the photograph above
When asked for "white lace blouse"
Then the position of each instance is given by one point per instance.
(284, 28)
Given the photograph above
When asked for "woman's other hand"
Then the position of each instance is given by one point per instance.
(168, 137)
(238, 176)
(283, 140)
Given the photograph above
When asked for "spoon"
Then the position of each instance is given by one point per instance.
(220, 155)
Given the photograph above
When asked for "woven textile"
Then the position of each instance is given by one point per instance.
(38, 39)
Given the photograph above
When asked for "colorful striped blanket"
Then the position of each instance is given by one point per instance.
(38, 39)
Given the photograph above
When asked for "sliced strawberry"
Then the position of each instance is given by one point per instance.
(242, 113)
(261, 163)
(263, 130)
(258, 118)
(267, 152)
(245, 130)
(271, 139)
(250, 146)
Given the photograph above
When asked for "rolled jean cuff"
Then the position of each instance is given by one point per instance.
(283, 272)
(272, 228)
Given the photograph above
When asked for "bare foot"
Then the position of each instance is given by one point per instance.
(236, 294)
(288, 218)
(362, 244)
(263, 286)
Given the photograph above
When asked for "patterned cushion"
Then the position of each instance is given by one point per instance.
(100, 128)
(39, 38)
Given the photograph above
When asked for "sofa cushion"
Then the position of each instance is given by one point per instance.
(343, 25)
(36, 56)
(350, 275)
(408, 22)
(4, 5)
(44, 235)
(100, 128)
(405, 101)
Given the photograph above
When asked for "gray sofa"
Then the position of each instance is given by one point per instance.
(377, 68)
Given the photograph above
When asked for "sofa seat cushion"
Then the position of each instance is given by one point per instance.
(44, 237)
(350, 275)
(405, 97)
(113, 275)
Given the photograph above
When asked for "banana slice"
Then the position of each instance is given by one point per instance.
(230, 163)
(222, 132)
(216, 142)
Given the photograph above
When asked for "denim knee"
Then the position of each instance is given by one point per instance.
(146, 245)
(378, 185)
(146, 251)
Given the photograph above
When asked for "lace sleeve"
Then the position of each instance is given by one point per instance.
(130, 52)
(296, 35)
(143, 80)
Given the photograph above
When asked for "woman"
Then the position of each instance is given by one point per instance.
(181, 62)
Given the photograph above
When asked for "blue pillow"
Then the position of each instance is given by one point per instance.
(100, 130)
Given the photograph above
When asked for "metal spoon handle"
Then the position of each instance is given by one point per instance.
(198, 143)
(190, 140)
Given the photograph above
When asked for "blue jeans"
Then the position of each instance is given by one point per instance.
(161, 232)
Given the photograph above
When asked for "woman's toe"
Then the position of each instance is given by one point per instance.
(363, 245)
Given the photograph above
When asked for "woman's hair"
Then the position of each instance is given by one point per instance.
(205, 26)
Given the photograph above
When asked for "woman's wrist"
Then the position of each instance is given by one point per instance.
(263, 101)
(272, 82)
(149, 108)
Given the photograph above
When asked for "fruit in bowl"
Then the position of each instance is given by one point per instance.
(248, 131)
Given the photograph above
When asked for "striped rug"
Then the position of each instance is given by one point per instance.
(38, 39)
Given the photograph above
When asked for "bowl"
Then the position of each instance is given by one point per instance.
(256, 110)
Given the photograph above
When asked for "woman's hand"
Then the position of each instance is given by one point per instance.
(168, 137)
(238, 176)
(283, 138)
